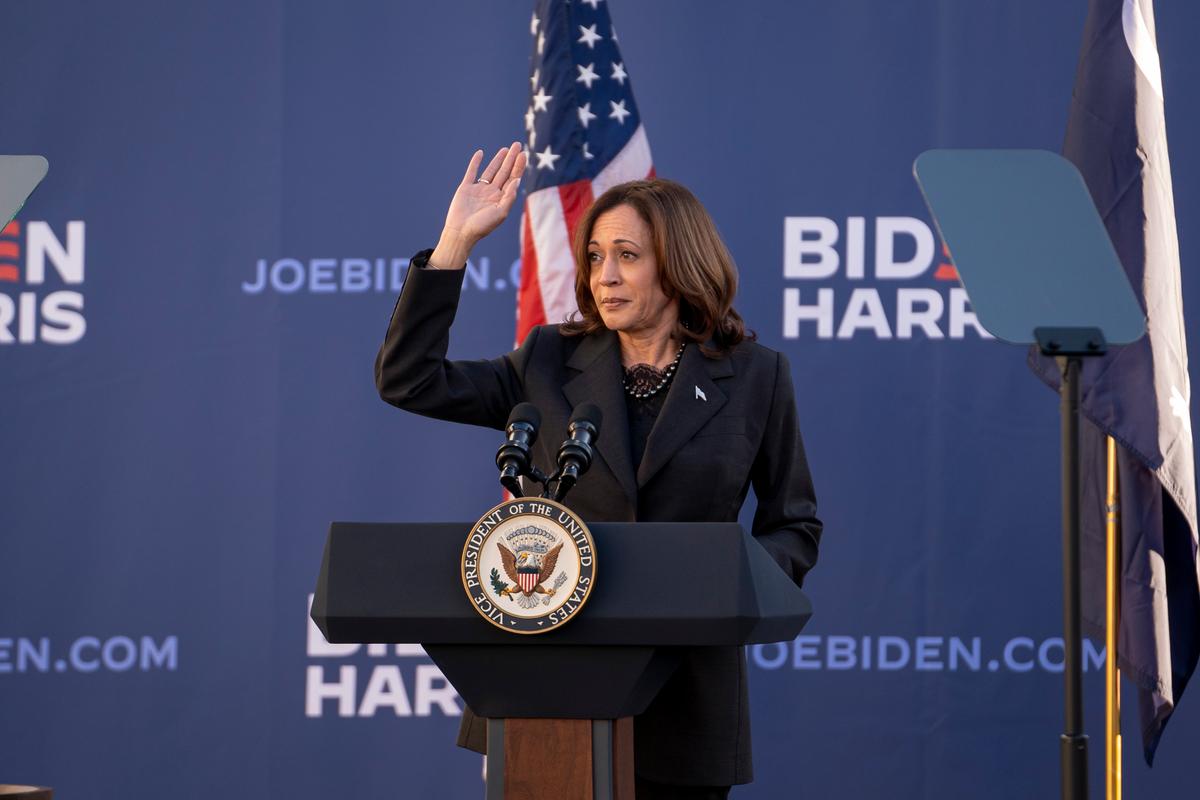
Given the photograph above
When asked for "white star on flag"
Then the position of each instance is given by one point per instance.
(586, 74)
(612, 31)
(533, 23)
(619, 112)
(533, 80)
(619, 72)
(541, 100)
(593, 3)
(529, 118)
(541, 43)
(588, 36)
(546, 159)
(586, 115)
(588, 156)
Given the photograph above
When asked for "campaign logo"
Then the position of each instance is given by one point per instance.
(528, 566)
(367, 680)
(36, 267)
(907, 288)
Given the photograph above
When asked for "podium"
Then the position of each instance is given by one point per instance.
(560, 704)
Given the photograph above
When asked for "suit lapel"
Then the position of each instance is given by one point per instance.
(691, 401)
(598, 361)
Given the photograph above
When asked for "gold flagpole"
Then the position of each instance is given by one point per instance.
(1112, 675)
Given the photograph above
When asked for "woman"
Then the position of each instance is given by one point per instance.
(694, 415)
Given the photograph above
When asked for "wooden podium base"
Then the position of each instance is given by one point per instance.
(556, 759)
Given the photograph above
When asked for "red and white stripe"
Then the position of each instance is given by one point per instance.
(528, 581)
(548, 222)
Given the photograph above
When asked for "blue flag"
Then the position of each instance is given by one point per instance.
(1139, 394)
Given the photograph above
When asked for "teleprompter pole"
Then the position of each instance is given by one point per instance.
(1069, 346)
(1073, 743)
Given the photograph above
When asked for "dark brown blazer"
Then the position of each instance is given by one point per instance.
(727, 424)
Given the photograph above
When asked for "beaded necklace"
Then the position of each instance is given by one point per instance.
(642, 380)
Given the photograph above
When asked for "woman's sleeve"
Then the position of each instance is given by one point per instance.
(412, 371)
(785, 522)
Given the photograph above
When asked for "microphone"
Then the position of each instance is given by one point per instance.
(575, 454)
(512, 459)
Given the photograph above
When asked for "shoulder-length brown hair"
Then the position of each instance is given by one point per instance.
(693, 264)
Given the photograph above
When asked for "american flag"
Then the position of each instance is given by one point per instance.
(585, 135)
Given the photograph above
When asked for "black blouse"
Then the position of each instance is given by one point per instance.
(642, 412)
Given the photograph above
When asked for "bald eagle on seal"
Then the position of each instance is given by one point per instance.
(524, 559)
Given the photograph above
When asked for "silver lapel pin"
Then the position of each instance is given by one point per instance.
(700, 395)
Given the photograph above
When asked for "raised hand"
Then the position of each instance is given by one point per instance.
(481, 202)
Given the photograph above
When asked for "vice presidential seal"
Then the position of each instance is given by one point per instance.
(529, 565)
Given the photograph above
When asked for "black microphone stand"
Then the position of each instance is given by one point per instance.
(545, 480)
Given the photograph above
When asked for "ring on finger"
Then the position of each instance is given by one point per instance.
(483, 180)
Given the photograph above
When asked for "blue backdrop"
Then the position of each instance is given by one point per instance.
(207, 272)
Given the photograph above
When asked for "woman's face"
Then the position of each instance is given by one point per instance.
(624, 274)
